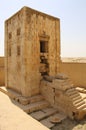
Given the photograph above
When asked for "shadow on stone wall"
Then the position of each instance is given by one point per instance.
(2, 72)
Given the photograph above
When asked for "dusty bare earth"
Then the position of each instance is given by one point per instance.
(68, 124)
(13, 118)
(74, 59)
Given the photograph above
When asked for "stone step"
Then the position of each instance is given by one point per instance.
(46, 122)
(23, 100)
(71, 93)
(84, 109)
(81, 107)
(32, 99)
(53, 120)
(77, 101)
(32, 106)
(84, 91)
(76, 98)
(71, 90)
(44, 113)
(74, 95)
(36, 98)
(35, 106)
(83, 95)
(81, 90)
(79, 104)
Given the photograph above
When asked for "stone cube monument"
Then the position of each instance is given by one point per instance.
(32, 49)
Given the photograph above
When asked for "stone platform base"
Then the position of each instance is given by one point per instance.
(37, 107)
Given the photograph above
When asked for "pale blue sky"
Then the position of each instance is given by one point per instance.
(72, 14)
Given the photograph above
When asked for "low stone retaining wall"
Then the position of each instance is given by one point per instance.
(75, 71)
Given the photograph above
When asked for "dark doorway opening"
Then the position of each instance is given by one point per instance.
(44, 66)
(43, 46)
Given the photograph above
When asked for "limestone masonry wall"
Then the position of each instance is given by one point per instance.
(14, 35)
(76, 72)
(24, 32)
(2, 72)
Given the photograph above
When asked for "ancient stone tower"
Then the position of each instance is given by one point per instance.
(32, 49)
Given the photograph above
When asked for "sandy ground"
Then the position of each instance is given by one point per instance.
(13, 118)
(68, 124)
(74, 59)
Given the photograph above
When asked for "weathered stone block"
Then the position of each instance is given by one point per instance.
(47, 91)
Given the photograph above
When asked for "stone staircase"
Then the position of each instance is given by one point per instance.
(64, 96)
(41, 110)
(29, 104)
(37, 107)
(78, 104)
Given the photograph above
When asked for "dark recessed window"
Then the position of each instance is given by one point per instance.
(10, 51)
(18, 50)
(10, 35)
(18, 31)
(43, 46)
